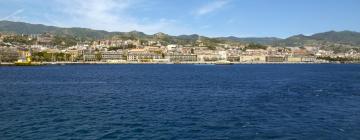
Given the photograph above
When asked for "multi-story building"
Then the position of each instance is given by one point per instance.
(233, 58)
(111, 55)
(141, 55)
(74, 54)
(300, 59)
(275, 59)
(293, 59)
(252, 58)
(158, 50)
(182, 57)
(308, 59)
(89, 55)
(208, 57)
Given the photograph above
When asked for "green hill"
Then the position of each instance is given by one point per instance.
(26, 28)
(342, 38)
(257, 40)
(348, 38)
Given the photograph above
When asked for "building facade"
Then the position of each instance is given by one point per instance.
(111, 55)
(275, 59)
(182, 57)
(141, 55)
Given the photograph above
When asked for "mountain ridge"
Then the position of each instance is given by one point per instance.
(346, 37)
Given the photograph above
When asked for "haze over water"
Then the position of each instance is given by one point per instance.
(180, 102)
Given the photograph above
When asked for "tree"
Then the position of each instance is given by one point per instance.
(19, 39)
(211, 47)
(98, 56)
(255, 47)
(66, 41)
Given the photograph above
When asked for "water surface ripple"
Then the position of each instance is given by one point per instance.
(180, 102)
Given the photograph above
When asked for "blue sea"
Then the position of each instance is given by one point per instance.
(180, 102)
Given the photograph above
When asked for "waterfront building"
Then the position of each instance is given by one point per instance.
(233, 58)
(89, 57)
(300, 59)
(74, 54)
(294, 59)
(142, 55)
(182, 57)
(308, 59)
(252, 58)
(275, 59)
(111, 55)
(208, 57)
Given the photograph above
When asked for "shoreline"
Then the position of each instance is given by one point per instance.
(180, 63)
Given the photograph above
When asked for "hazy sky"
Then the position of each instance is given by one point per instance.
(242, 18)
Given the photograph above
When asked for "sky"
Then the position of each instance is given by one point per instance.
(214, 18)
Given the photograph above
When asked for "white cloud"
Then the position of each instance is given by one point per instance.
(13, 16)
(211, 7)
(111, 15)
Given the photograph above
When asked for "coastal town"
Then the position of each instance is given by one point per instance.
(180, 70)
(41, 49)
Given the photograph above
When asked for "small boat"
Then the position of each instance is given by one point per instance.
(23, 64)
(25, 58)
(28, 64)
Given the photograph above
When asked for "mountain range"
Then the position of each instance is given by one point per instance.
(348, 38)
